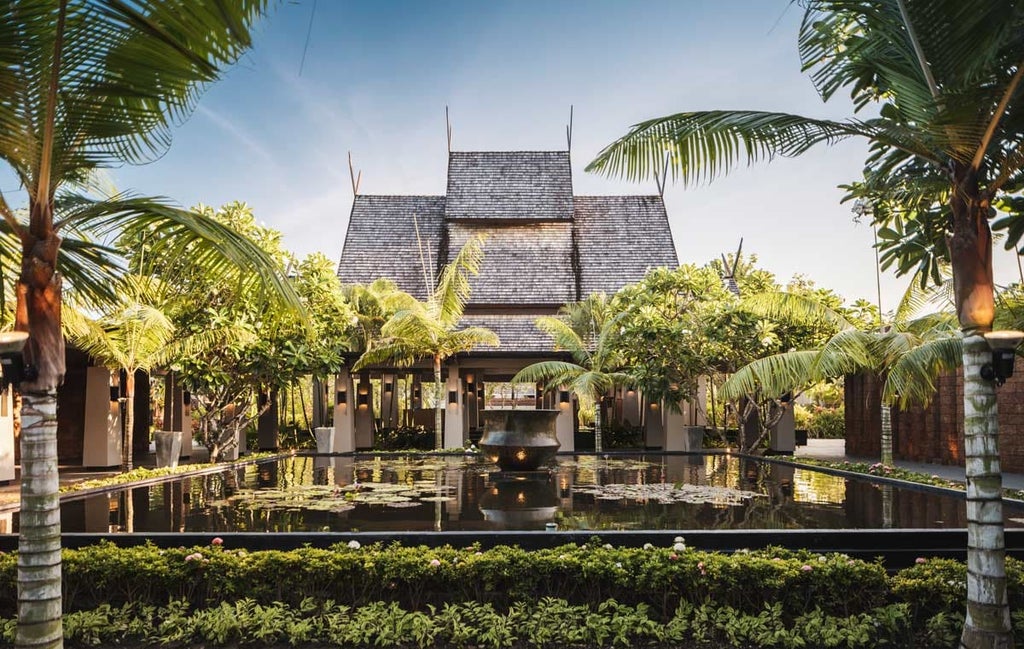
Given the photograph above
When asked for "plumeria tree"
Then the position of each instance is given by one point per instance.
(938, 83)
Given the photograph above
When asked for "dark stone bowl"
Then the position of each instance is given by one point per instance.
(519, 440)
(520, 501)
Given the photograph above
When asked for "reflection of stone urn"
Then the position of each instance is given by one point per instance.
(519, 440)
(519, 503)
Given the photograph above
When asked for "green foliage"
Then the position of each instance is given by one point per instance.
(143, 473)
(583, 596)
(404, 438)
(828, 423)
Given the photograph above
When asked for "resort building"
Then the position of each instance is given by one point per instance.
(545, 247)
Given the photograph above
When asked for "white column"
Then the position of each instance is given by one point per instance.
(454, 434)
(631, 407)
(564, 423)
(364, 414)
(101, 445)
(6, 436)
(654, 424)
(344, 413)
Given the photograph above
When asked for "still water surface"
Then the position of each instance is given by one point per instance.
(652, 492)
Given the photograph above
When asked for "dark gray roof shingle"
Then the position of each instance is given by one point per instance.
(381, 240)
(516, 332)
(523, 264)
(509, 185)
(619, 239)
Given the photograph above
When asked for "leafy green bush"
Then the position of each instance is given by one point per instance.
(404, 438)
(589, 595)
(821, 422)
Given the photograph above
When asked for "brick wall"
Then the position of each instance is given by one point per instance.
(936, 433)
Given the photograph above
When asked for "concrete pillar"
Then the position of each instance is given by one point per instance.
(344, 413)
(266, 424)
(6, 436)
(782, 438)
(654, 424)
(143, 427)
(631, 406)
(177, 414)
(454, 433)
(389, 401)
(364, 413)
(564, 429)
(101, 445)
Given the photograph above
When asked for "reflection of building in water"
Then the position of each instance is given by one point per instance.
(815, 487)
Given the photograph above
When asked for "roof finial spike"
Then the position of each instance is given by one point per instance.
(448, 127)
(568, 132)
(355, 178)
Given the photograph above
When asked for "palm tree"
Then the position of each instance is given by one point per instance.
(136, 334)
(586, 330)
(89, 84)
(947, 76)
(430, 329)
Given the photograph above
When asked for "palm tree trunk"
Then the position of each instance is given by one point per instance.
(39, 552)
(129, 422)
(438, 405)
(988, 613)
(886, 443)
(598, 445)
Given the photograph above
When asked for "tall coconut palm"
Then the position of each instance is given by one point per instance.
(431, 330)
(136, 334)
(87, 84)
(946, 75)
(595, 366)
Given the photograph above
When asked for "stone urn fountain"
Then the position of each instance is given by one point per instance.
(519, 440)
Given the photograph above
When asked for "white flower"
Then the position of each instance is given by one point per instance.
(822, 559)
(679, 539)
(608, 546)
(353, 544)
(648, 546)
(618, 564)
(679, 547)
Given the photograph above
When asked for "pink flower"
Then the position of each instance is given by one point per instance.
(195, 556)
(700, 566)
(920, 560)
(435, 563)
(806, 568)
(673, 556)
(217, 541)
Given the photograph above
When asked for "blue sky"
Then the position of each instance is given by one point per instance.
(378, 74)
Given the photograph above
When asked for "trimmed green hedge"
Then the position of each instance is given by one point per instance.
(408, 596)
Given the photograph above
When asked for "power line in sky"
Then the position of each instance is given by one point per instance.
(309, 32)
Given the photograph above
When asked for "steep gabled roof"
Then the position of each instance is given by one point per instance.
(509, 185)
(529, 264)
(620, 238)
(516, 332)
(381, 240)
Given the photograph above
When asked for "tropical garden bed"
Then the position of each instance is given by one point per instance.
(589, 595)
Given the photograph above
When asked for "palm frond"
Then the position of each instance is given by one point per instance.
(449, 298)
(911, 379)
(794, 307)
(548, 371)
(173, 234)
(773, 375)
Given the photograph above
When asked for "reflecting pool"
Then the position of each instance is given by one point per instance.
(380, 494)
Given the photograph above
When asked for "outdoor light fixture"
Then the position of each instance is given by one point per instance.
(387, 386)
(186, 398)
(453, 396)
(341, 397)
(12, 363)
(563, 396)
(416, 393)
(480, 393)
(115, 393)
(1003, 345)
(363, 398)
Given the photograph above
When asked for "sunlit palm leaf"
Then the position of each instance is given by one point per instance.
(911, 379)
(773, 375)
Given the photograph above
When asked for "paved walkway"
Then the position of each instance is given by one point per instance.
(835, 449)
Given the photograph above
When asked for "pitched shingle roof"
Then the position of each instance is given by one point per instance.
(381, 240)
(619, 239)
(522, 265)
(509, 185)
(516, 332)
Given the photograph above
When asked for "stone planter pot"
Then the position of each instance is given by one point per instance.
(520, 504)
(694, 437)
(324, 440)
(168, 447)
(519, 440)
